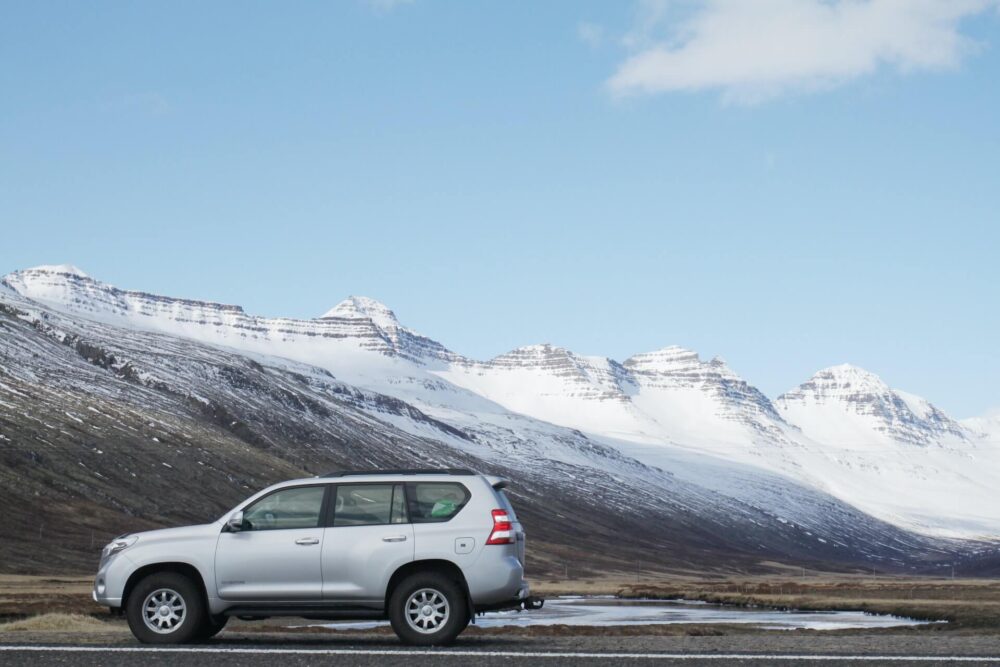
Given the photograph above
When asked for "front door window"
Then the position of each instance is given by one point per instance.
(289, 508)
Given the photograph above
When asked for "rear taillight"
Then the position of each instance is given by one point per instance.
(503, 530)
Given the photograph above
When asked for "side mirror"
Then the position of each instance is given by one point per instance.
(235, 523)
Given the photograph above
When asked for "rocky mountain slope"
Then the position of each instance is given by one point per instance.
(124, 409)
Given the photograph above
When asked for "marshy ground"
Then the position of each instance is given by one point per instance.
(59, 608)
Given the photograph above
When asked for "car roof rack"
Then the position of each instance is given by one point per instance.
(403, 471)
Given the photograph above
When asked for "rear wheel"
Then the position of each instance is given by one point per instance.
(428, 609)
(166, 608)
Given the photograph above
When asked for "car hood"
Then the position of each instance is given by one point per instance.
(182, 532)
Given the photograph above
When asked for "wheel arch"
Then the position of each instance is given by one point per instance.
(185, 569)
(446, 567)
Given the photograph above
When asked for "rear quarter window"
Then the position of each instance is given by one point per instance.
(435, 502)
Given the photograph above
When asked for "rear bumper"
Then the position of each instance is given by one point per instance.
(495, 577)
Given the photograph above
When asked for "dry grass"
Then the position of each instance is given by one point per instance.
(22, 596)
(57, 622)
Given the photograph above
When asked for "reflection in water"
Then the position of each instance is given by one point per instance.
(602, 611)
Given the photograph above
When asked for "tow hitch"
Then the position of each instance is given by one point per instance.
(529, 603)
(532, 603)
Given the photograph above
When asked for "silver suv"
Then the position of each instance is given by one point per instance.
(427, 549)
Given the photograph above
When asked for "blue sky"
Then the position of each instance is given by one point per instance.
(608, 177)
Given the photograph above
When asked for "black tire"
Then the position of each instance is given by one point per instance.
(212, 626)
(438, 631)
(165, 589)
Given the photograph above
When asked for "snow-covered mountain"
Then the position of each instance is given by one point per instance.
(849, 404)
(896, 454)
(843, 439)
(356, 324)
(986, 426)
(844, 432)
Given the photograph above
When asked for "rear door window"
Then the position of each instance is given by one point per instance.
(369, 505)
(434, 502)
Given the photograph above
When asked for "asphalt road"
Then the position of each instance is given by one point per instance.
(575, 652)
(265, 655)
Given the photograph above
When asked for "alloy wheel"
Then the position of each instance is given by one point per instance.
(163, 610)
(427, 610)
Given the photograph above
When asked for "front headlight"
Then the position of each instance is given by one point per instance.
(118, 544)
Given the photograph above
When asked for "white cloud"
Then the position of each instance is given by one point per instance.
(649, 16)
(753, 50)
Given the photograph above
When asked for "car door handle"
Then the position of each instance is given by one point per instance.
(395, 538)
(306, 541)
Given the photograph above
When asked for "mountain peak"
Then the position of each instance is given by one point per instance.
(539, 349)
(539, 354)
(840, 382)
(675, 359)
(849, 375)
(64, 269)
(900, 415)
(363, 307)
(664, 360)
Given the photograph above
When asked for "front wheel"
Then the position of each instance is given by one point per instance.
(428, 609)
(212, 626)
(166, 608)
